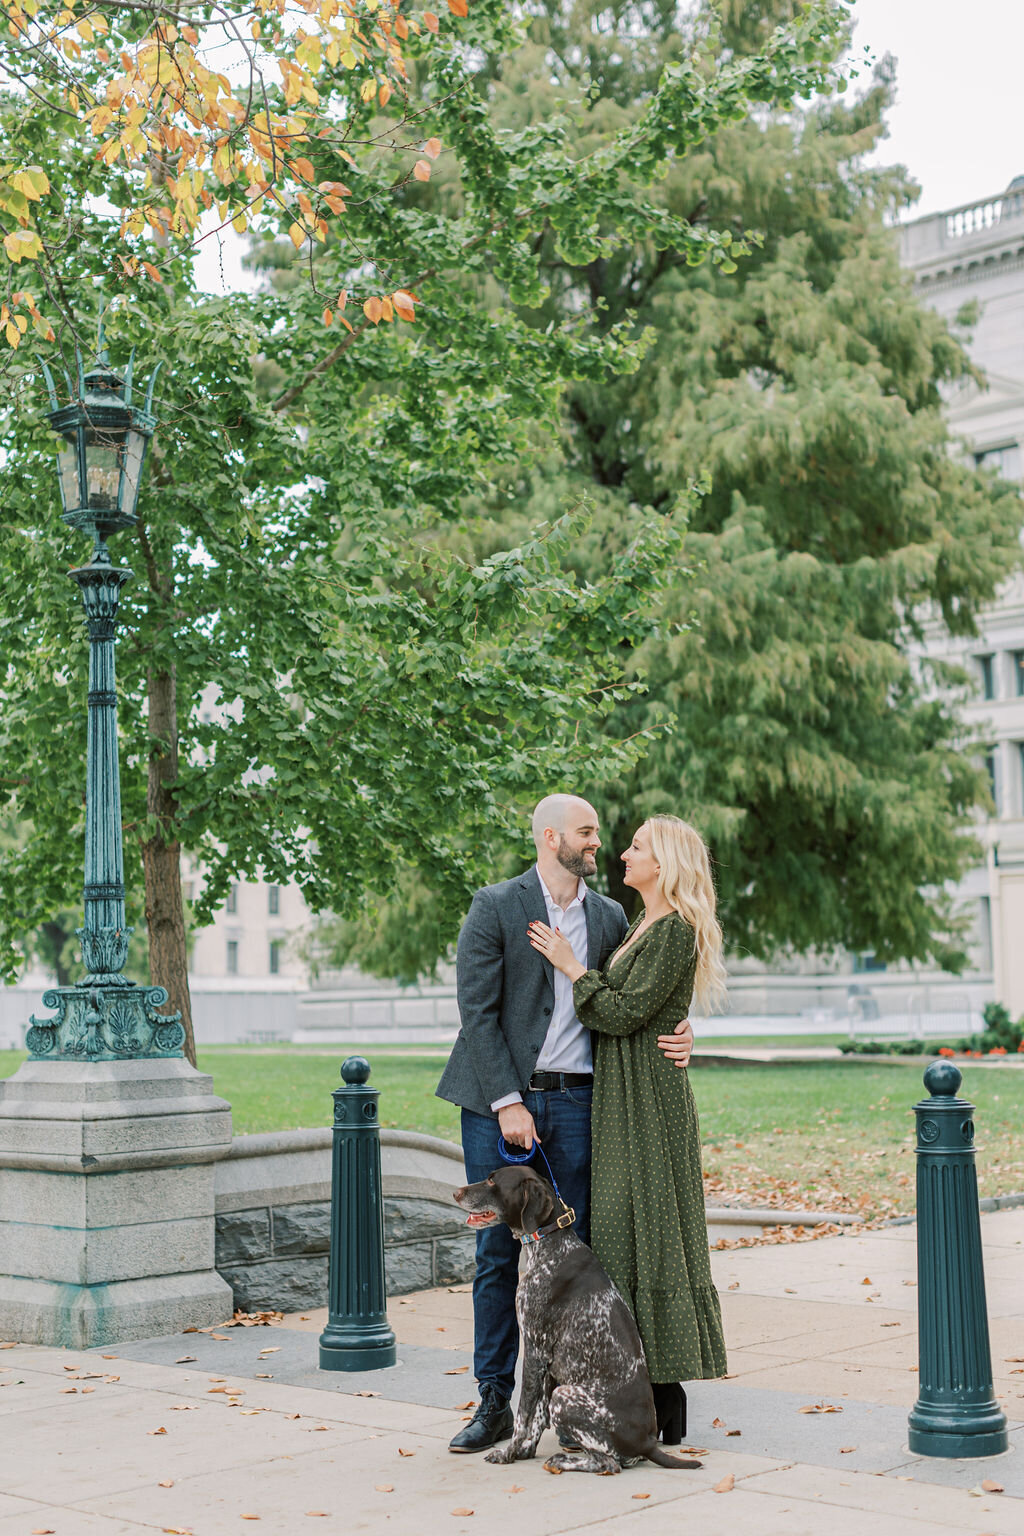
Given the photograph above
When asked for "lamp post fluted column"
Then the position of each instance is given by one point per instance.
(106, 1017)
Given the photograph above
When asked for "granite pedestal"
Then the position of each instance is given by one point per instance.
(107, 1217)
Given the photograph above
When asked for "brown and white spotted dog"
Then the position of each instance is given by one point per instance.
(583, 1362)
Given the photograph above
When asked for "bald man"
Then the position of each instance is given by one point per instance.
(522, 1065)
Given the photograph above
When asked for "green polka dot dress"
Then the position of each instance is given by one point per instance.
(647, 1197)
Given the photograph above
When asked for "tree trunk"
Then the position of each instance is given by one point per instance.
(161, 857)
(54, 937)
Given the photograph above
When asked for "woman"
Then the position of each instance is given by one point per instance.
(647, 1193)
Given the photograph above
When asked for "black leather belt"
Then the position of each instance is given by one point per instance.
(547, 1082)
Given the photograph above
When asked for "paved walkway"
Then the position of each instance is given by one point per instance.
(198, 1433)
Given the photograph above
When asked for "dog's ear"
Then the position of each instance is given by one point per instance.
(539, 1204)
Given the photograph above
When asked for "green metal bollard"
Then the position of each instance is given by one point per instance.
(357, 1336)
(956, 1413)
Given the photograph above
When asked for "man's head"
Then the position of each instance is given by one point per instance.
(565, 832)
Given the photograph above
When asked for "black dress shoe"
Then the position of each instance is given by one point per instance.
(670, 1407)
(491, 1422)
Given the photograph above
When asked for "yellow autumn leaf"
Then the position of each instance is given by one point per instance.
(297, 236)
(421, 170)
(373, 309)
(432, 148)
(405, 305)
(384, 94)
(458, 7)
(328, 316)
(13, 335)
(368, 90)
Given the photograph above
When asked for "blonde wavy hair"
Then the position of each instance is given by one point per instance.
(684, 879)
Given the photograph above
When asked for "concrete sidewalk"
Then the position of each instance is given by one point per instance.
(198, 1433)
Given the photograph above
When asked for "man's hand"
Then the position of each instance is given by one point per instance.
(677, 1047)
(517, 1126)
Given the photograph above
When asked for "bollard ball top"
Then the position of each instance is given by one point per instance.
(355, 1069)
(943, 1079)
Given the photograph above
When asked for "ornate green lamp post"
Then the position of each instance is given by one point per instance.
(105, 435)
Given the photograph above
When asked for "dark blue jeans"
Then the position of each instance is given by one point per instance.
(562, 1118)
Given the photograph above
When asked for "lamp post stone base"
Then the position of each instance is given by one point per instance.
(107, 1201)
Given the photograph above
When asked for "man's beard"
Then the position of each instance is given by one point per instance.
(577, 863)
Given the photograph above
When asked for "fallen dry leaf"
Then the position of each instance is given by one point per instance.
(462, 1511)
(1014, 1359)
(318, 1427)
(789, 1290)
(734, 1286)
(177, 1530)
(470, 1404)
(364, 1393)
(110, 1357)
(225, 1338)
(458, 1370)
(247, 1517)
(733, 1432)
(168, 1482)
(820, 1408)
(641, 1495)
(384, 1487)
(13, 1344)
(211, 1390)
(991, 1486)
(184, 1407)
(68, 1389)
(516, 1488)
(405, 1453)
(271, 1349)
(717, 1423)
(891, 1325)
(727, 1484)
(866, 1281)
(181, 1360)
(42, 1530)
(247, 1413)
(160, 1431)
(844, 1450)
(319, 1513)
(293, 1415)
(216, 1378)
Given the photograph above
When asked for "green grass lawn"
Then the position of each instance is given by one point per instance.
(829, 1135)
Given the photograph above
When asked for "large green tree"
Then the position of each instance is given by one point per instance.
(385, 701)
(812, 744)
(797, 721)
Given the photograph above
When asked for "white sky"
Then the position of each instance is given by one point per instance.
(957, 124)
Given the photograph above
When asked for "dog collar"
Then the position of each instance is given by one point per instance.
(566, 1219)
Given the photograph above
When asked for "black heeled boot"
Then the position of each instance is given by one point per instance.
(670, 1407)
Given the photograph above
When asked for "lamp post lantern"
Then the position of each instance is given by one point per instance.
(104, 436)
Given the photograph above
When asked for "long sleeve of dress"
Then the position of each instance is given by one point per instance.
(661, 959)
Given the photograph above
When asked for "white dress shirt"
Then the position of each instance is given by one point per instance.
(566, 1046)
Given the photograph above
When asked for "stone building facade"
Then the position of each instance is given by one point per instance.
(975, 254)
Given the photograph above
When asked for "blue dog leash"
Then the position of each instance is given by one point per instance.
(568, 1215)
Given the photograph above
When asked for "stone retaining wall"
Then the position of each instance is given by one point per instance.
(273, 1217)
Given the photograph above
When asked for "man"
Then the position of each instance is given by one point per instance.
(522, 1065)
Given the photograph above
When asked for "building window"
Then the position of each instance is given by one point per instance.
(275, 957)
(232, 957)
(273, 899)
(1018, 672)
(1006, 461)
(866, 960)
(992, 769)
(231, 905)
(986, 666)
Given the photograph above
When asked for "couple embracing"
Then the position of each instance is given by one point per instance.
(573, 1035)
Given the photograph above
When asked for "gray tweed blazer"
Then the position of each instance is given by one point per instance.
(506, 990)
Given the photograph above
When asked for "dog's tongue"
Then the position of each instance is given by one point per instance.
(478, 1218)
